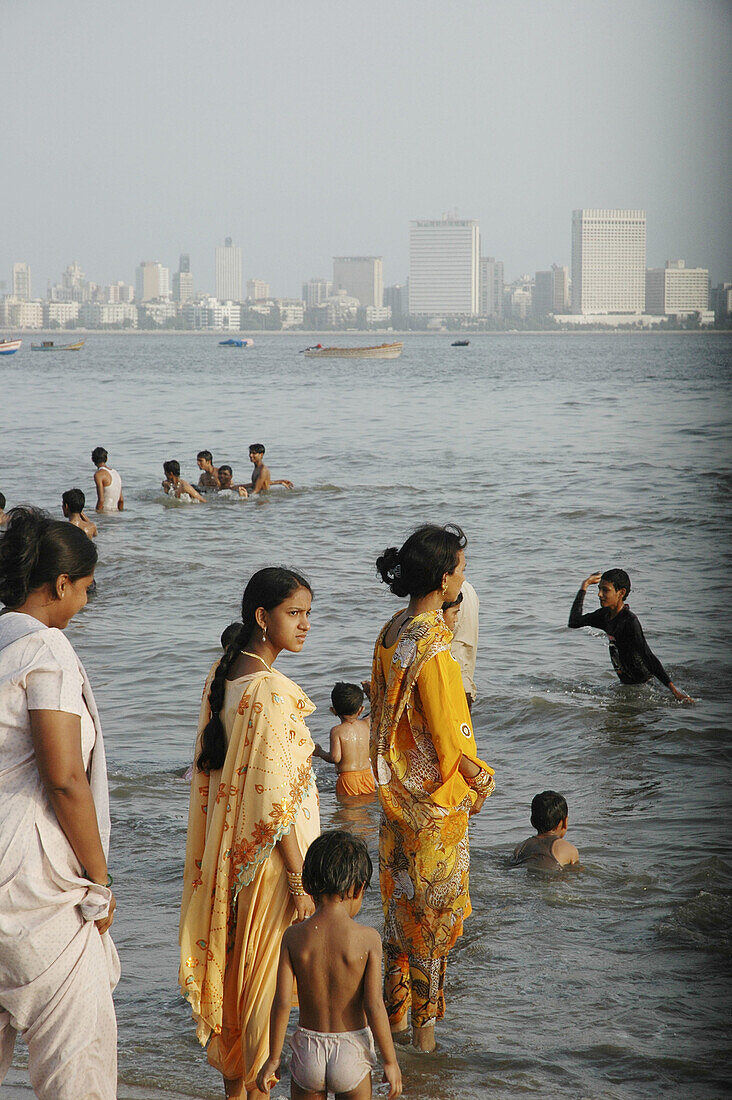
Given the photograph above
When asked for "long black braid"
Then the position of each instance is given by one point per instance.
(267, 588)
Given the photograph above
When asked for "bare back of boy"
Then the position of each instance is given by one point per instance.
(337, 965)
(349, 745)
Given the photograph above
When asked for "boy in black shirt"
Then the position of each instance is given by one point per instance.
(629, 651)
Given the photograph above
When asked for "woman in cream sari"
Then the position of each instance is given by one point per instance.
(253, 814)
(429, 778)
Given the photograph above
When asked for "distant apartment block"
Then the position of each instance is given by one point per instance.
(15, 313)
(60, 313)
(229, 283)
(22, 282)
(315, 291)
(183, 280)
(152, 281)
(361, 277)
(608, 261)
(257, 290)
(551, 291)
(677, 290)
(444, 269)
(490, 297)
(112, 314)
(292, 311)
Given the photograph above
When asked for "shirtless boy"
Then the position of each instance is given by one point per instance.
(337, 965)
(261, 477)
(548, 850)
(108, 483)
(629, 651)
(225, 481)
(175, 485)
(72, 505)
(209, 478)
(349, 743)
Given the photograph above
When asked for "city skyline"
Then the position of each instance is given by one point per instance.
(303, 140)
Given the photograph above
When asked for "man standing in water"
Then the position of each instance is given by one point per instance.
(108, 483)
(629, 651)
(209, 478)
(261, 477)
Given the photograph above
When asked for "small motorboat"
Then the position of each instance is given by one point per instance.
(460, 344)
(48, 345)
(381, 351)
(235, 343)
(9, 347)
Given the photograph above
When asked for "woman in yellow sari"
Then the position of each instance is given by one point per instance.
(253, 814)
(428, 775)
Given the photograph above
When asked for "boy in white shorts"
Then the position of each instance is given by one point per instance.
(337, 965)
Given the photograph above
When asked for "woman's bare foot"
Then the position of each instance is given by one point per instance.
(423, 1038)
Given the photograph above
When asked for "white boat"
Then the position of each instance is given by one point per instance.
(381, 351)
(9, 347)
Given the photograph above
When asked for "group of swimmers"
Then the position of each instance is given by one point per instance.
(215, 479)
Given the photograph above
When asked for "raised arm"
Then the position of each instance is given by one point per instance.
(279, 1016)
(377, 1017)
(576, 618)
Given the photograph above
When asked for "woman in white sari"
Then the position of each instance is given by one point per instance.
(58, 964)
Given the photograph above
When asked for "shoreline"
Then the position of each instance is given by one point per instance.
(380, 334)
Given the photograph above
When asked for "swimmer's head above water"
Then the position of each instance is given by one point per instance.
(548, 811)
(172, 466)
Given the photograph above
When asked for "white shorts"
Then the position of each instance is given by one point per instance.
(331, 1060)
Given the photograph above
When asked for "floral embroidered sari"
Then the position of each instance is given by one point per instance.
(236, 904)
(420, 729)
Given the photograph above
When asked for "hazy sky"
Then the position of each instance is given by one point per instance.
(145, 128)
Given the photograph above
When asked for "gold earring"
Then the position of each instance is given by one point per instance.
(264, 633)
(444, 587)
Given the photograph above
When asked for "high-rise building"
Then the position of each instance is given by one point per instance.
(361, 277)
(152, 281)
(183, 280)
(490, 300)
(229, 283)
(396, 298)
(551, 291)
(258, 290)
(315, 291)
(608, 261)
(22, 282)
(677, 289)
(444, 266)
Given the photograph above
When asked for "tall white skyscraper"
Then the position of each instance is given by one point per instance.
(361, 277)
(444, 268)
(608, 261)
(229, 283)
(22, 282)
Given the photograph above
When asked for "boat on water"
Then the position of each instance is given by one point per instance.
(381, 351)
(460, 344)
(48, 345)
(235, 343)
(9, 347)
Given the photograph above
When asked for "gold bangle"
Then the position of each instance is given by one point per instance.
(294, 884)
(483, 784)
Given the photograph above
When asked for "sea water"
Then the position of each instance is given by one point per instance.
(560, 456)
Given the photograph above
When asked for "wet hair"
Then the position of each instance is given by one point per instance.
(267, 588)
(172, 466)
(347, 699)
(229, 634)
(205, 454)
(2, 501)
(618, 578)
(227, 468)
(418, 568)
(547, 810)
(37, 549)
(337, 862)
(453, 603)
(74, 500)
(99, 456)
(256, 448)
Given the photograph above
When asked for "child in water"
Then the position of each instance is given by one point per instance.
(349, 743)
(629, 651)
(548, 850)
(337, 965)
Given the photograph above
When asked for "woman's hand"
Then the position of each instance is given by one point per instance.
(304, 907)
(477, 805)
(106, 922)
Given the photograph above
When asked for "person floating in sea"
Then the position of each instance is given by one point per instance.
(337, 965)
(349, 743)
(108, 483)
(176, 486)
(209, 478)
(226, 475)
(548, 850)
(629, 651)
(72, 506)
(261, 477)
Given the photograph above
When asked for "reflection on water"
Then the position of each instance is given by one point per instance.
(608, 983)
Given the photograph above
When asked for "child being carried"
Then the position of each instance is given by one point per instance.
(349, 743)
